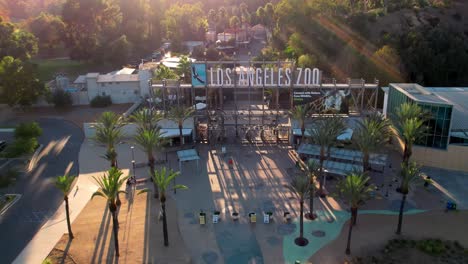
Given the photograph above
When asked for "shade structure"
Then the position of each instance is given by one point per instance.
(188, 155)
(348, 156)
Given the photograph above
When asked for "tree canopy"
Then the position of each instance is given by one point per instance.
(19, 85)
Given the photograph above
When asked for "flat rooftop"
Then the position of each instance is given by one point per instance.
(454, 96)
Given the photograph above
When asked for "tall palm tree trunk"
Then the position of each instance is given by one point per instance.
(406, 153)
(151, 162)
(163, 205)
(322, 175)
(115, 227)
(365, 162)
(301, 220)
(348, 244)
(67, 211)
(400, 216)
(311, 200)
(181, 136)
(302, 132)
(354, 212)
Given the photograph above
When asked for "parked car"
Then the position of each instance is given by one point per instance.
(3, 145)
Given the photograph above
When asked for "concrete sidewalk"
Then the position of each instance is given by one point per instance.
(91, 164)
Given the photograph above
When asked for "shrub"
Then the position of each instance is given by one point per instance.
(21, 146)
(101, 101)
(7, 177)
(28, 130)
(432, 246)
(61, 99)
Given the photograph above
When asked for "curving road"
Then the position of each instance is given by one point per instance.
(40, 200)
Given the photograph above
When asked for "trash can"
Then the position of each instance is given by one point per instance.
(253, 217)
(202, 218)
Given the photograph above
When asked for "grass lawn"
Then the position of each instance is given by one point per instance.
(49, 68)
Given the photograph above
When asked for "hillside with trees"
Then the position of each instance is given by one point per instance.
(422, 41)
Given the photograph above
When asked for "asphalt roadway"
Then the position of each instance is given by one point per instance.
(40, 198)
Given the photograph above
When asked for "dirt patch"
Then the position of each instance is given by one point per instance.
(59, 255)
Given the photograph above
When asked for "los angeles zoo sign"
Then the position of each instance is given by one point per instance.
(255, 77)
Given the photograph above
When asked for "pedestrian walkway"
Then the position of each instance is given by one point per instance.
(91, 164)
(51, 232)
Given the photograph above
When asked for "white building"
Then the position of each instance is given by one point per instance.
(123, 86)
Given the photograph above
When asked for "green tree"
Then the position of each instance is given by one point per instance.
(163, 178)
(184, 69)
(324, 134)
(61, 98)
(185, 22)
(164, 73)
(49, 29)
(213, 19)
(90, 26)
(300, 185)
(307, 61)
(371, 135)
(28, 130)
(409, 174)
(109, 132)
(300, 114)
(355, 190)
(234, 22)
(109, 188)
(410, 126)
(312, 169)
(119, 51)
(15, 42)
(295, 46)
(435, 55)
(179, 114)
(19, 85)
(150, 140)
(64, 184)
(146, 119)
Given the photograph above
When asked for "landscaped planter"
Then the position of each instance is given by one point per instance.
(7, 201)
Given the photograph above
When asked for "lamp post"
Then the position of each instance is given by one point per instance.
(133, 162)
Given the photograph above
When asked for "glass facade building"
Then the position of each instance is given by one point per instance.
(440, 115)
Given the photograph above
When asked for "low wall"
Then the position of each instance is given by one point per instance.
(130, 129)
(453, 158)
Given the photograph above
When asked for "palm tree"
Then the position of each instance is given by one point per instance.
(234, 22)
(300, 185)
(410, 127)
(409, 173)
(324, 134)
(109, 132)
(146, 119)
(371, 134)
(179, 114)
(184, 69)
(110, 185)
(64, 183)
(311, 169)
(353, 189)
(163, 178)
(150, 140)
(300, 113)
(213, 18)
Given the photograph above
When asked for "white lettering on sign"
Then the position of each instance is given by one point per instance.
(280, 77)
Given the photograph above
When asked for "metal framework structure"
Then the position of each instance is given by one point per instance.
(267, 106)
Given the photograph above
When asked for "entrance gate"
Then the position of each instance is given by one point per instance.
(249, 101)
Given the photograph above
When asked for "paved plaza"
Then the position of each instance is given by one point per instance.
(242, 179)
